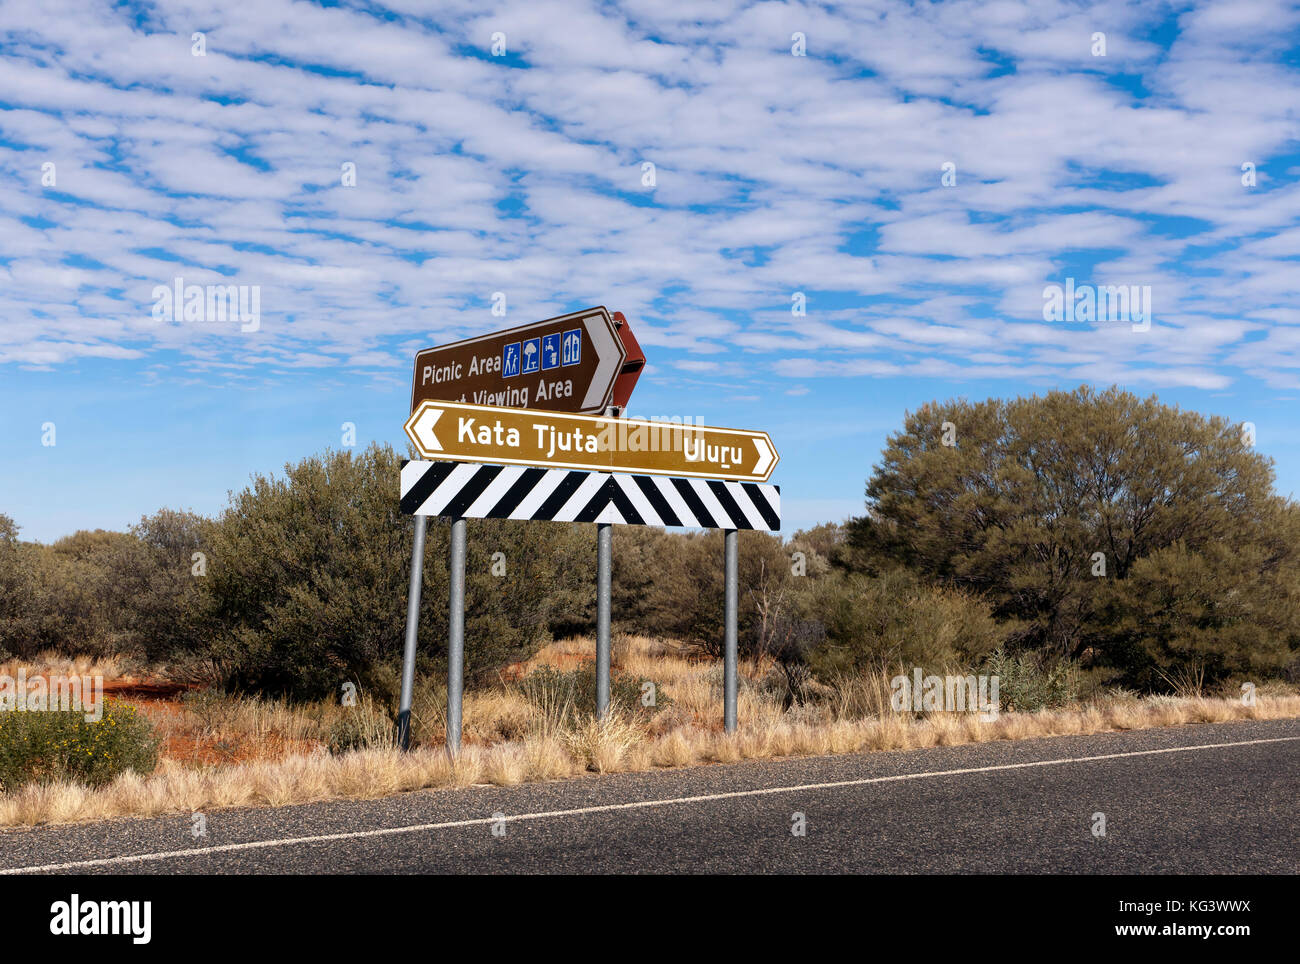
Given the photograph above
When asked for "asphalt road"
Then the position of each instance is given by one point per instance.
(1193, 799)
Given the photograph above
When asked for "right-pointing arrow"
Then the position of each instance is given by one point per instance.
(766, 457)
(610, 355)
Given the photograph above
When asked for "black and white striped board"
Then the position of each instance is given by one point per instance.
(462, 490)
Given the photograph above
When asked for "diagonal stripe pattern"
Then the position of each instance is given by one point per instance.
(458, 489)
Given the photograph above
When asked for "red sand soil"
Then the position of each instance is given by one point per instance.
(560, 661)
(161, 700)
(131, 690)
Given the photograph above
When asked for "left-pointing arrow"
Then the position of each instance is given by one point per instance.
(419, 427)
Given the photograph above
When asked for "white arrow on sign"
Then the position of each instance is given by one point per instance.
(766, 455)
(609, 351)
(422, 428)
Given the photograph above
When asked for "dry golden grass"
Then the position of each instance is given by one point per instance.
(213, 716)
(53, 664)
(510, 739)
(604, 746)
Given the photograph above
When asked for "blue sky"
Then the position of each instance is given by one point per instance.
(523, 174)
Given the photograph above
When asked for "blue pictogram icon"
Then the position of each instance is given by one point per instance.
(551, 351)
(510, 360)
(573, 347)
(532, 355)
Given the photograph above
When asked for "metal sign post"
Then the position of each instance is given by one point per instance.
(604, 567)
(604, 580)
(412, 633)
(729, 678)
(456, 636)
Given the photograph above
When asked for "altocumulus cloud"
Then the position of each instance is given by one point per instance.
(523, 171)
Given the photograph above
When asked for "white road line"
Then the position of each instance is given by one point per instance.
(607, 808)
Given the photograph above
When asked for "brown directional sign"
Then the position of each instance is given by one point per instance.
(564, 364)
(453, 432)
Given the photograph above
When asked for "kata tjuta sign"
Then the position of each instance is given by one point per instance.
(564, 364)
(512, 436)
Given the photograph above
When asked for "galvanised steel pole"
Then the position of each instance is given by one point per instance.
(456, 636)
(604, 575)
(729, 659)
(412, 634)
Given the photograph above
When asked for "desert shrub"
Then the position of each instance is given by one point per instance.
(654, 591)
(13, 584)
(895, 620)
(550, 577)
(1221, 611)
(215, 712)
(308, 572)
(673, 584)
(96, 593)
(38, 746)
(58, 597)
(821, 547)
(1029, 681)
(367, 725)
(159, 584)
(788, 640)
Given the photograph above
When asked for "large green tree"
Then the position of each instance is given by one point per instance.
(1047, 504)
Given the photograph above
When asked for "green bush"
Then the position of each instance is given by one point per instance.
(159, 585)
(14, 588)
(894, 620)
(57, 597)
(367, 725)
(672, 584)
(308, 575)
(38, 746)
(1225, 611)
(1029, 681)
(98, 593)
